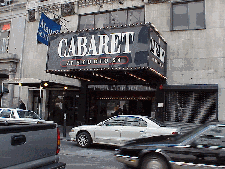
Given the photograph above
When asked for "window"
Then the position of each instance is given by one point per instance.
(67, 9)
(4, 37)
(31, 15)
(28, 114)
(135, 121)
(189, 15)
(132, 121)
(87, 22)
(212, 137)
(135, 16)
(157, 122)
(6, 2)
(119, 17)
(101, 20)
(5, 113)
(117, 121)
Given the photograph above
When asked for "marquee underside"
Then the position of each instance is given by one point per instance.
(125, 75)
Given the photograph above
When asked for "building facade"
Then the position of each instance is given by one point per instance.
(191, 88)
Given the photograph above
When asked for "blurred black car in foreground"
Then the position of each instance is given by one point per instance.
(202, 146)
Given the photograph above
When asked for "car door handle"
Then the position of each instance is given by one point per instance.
(18, 140)
(141, 131)
(117, 130)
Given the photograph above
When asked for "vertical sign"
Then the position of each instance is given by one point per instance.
(46, 27)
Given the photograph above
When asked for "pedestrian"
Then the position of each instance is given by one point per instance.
(118, 112)
(22, 105)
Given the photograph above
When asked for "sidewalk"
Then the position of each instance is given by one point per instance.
(68, 129)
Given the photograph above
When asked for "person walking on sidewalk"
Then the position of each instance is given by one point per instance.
(22, 105)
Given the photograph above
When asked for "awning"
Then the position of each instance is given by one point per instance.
(5, 90)
(130, 75)
(31, 82)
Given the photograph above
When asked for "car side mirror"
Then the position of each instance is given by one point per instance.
(193, 144)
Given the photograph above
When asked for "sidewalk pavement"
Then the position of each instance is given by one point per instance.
(68, 129)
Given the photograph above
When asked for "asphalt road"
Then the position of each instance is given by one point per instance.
(95, 157)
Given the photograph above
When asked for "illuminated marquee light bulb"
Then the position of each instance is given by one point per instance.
(46, 84)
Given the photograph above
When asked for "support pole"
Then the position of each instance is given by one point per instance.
(64, 125)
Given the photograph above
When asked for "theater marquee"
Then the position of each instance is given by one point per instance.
(132, 46)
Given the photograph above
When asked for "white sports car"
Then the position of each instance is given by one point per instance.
(119, 129)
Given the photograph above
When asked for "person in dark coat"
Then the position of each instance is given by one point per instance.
(118, 112)
(22, 105)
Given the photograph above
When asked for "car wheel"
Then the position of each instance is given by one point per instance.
(154, 162)
(84, 140)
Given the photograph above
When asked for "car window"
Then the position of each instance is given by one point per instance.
(212, 137)
(135, 121)
(142, 122)
(21, 114)
(5, 113)
(116, 121)
(28, 114)
(159, 123)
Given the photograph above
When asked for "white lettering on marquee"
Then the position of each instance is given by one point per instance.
(157, 50)
(69, 49)
(121, 88)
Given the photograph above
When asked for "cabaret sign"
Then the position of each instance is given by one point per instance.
(136, 46)
(81, 47)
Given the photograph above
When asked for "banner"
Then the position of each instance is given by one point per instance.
(46, 27)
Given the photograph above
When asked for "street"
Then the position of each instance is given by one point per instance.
(95, 157)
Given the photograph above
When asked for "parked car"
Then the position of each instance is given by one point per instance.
(30, 146)
(8, 115)
(119, 129)
(204, 146)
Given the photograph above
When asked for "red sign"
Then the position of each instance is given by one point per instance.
(6, 27)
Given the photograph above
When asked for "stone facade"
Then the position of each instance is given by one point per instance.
(193, 56)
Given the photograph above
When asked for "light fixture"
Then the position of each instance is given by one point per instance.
(45, 84)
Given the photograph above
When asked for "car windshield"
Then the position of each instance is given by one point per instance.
(5, 113)
(157, 122)
(183, 137)
(28, 114)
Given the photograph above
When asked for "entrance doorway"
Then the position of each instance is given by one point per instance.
(60, 102)
(102, 109)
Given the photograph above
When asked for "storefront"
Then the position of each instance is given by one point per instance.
(196, 103)
(104, 100)
(120, 67)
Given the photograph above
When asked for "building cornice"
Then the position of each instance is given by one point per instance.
(8, 57)
(13, 7)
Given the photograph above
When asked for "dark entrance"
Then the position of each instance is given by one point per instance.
(63, 101)
(102, 105)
